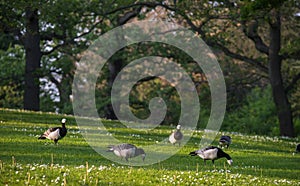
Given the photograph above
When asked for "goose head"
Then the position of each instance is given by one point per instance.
(229, 162)
(141, 152)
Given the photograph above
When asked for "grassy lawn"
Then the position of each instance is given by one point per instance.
(24, 160)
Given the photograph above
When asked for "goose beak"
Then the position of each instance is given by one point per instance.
(229, 162)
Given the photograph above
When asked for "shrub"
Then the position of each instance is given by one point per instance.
(256, 116)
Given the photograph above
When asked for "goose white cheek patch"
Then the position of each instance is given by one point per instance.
(229, 162)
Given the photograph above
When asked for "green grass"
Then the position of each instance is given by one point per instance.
(24, 160)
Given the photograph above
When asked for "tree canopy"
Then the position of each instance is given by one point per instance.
(256, 42)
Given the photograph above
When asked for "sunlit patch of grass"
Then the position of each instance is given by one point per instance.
(24, 160)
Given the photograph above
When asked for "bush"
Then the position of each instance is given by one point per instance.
(297, 126)
(256, 116)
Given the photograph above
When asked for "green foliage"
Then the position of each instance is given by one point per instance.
(11, 97)
(47, 104)
(146, 89)
(61, 23)
(297, 126)
(256, 116)
(12, 65)
(27, 160)
(291, 46)
(253, 8)
(142, 94)
(57, 82)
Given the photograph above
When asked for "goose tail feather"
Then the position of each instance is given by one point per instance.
(193, 153)
(42, 137)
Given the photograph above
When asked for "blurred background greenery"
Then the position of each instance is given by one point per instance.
(257, 44)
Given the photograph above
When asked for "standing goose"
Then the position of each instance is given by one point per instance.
(225, 141)
(127, 151)
(176, 136)
(211, 153)
(55, 133)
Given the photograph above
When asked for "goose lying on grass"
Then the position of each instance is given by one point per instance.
(176, 136)
(211, 153)
(225, 141)
(55, 133)
(127, 151)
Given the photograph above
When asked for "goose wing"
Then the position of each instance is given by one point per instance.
(207, 153)
(51, 133)
(225, 138)
(123, 150)
(175, 136)
(178, 135)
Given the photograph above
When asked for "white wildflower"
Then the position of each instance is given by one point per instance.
(57, 179)
(80, 167)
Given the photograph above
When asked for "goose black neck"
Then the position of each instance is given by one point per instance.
(227, 156)
(139, 151)
(222, 154)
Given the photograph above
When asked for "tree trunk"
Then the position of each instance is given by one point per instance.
(33, 58)
(64, 93)
(114, 67)
(280, 97)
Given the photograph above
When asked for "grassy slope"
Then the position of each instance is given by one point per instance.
(258, 160)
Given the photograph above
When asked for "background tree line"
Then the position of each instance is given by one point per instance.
(257, 44)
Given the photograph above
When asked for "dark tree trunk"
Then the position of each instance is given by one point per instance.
(65, 91)
(114, 67)
(33, 58)
(280, 97)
